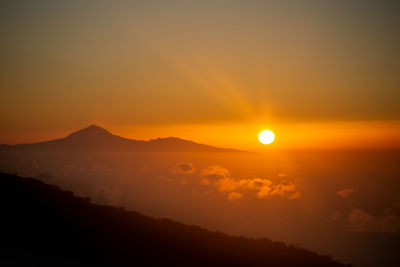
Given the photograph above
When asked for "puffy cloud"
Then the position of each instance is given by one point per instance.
(231, 184)
(254, 184)
(234, 196)
(183, 168)
(226, 184)
(361, 221)
(264, 192)
(285, 189)
(345, 193)
(219, 177)
(214, 173)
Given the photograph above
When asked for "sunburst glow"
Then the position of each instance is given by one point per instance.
(266, 137)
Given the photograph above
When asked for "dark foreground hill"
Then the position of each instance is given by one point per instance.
(42, 225)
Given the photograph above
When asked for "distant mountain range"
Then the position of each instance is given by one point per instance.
(42, 225)
(95, 137)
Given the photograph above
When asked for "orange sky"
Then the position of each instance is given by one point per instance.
(215, 72)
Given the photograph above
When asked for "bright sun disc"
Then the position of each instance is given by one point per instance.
(266, 137)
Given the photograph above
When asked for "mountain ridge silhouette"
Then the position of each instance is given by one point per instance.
(96, 137)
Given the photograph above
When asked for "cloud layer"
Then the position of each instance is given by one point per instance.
(220, 178)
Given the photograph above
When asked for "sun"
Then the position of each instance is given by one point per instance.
(266, 137)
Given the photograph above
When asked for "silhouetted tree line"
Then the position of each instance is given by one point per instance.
(43, 225)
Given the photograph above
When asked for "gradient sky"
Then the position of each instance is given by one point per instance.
(212, 71)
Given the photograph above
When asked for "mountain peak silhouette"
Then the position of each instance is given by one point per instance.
(92, 131)
(96, 137)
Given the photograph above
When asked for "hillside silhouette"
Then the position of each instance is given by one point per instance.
(95, 137)
(43, 225)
